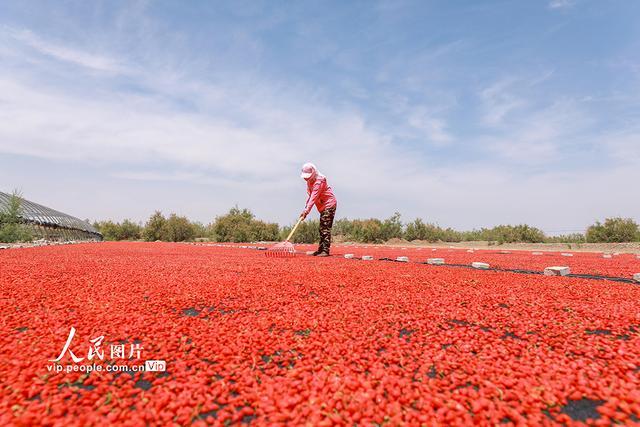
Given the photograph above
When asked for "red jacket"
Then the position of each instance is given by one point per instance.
(320, 194)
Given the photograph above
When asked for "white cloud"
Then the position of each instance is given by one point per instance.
(499, 101)
(561, 4)
(541, 135)
(243, 143)
(623, 146)
(434, 129)
(62, 52)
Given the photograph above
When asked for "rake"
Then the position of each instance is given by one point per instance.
(284, 249)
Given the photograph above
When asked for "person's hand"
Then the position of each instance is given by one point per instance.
(303, 215)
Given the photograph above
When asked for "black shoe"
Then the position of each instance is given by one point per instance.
(323, 254)
(316, 253)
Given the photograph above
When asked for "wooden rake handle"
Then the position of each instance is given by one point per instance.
(293, 230)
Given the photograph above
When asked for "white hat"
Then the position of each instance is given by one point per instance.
(308, 169)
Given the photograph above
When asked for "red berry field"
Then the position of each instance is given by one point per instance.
(228, 336)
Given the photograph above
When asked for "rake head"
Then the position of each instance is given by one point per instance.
(281, 250)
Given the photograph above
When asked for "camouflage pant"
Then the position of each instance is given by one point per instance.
(326, 222)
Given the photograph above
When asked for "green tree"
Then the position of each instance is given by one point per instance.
(240, 225)
(155, 228)
(392, 228)
(418, 230)
(129, 230)
(307, 232)
(108, 229)
(614, 230)
(11, 227)
(126, 230)
(179, 229)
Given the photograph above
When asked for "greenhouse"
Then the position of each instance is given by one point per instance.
(49, 224)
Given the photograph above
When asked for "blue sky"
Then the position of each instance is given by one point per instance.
(463, 113)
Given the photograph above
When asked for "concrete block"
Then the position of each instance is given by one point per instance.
(606, 256)
(557, 271)
(367, 258)
(536, 253)
(480, 265)
(566, 254)
(403, 259)
(435, 261)
(636, 277)
(348, 256)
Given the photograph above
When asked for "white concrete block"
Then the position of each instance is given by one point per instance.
(557, 271)
(636, 277)
(435, 261)
(403, 259)
(367, 258)
(566, 254)
(536, 253)
(606, 256)
(348, 256)
(480, 265)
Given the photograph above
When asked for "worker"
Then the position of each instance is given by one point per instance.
(321, 195)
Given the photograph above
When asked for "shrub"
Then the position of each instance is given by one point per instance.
(307, 232)
(179, 229)
(366, 231)
(240, 225)
(127, 230)
(392, 228)
(614, 230)
(342, 227)
(155, 228)
(370, 230)
(200, 230)
(11, 228)
(517, 233)
(418, 230)
(567, 238)
(108, 229)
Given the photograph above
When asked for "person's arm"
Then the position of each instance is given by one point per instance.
(315, 192)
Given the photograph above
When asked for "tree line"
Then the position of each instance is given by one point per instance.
(241, 225)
